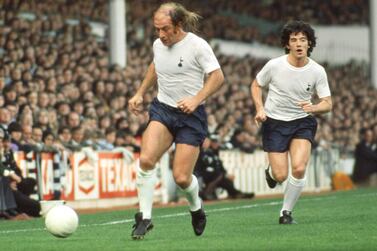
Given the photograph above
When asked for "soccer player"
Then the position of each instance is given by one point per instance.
(177, 115)
(288, 124)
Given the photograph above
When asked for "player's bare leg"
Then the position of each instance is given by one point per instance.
(277, 171)
(300, 154)
(183, 166)
(156, 141)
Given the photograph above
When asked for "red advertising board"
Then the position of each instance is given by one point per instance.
(99, 176)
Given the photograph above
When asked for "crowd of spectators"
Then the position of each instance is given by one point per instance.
(337, 12)
(56, 79)
(59, 92)
(224, 19)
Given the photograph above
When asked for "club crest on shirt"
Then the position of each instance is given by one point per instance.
(180, 62)
(308, 88)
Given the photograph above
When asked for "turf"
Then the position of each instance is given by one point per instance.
(334, 221)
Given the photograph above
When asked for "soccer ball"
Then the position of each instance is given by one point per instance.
(61, 221)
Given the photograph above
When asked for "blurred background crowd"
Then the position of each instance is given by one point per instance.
(55, 75)
(59, 92)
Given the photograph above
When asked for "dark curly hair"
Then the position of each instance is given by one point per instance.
(296, 27)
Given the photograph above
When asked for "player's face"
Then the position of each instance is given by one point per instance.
(166, 31)
(298, 45)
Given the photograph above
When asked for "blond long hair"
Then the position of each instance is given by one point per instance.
(181, 16)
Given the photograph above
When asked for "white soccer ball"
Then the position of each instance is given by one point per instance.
(61, 221)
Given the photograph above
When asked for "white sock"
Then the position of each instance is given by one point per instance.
(292, 193)
(192, 195)
(145, 182)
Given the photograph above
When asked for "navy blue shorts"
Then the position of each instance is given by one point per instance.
(186, 128)
(277, 134)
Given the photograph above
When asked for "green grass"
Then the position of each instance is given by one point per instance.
(335, 221)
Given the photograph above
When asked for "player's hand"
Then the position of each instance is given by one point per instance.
(188, 105)
(260, 117)
(307, 106)
(13, 185)
(15, 177)
(135, 104)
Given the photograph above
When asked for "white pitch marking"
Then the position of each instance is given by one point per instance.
(273, 203)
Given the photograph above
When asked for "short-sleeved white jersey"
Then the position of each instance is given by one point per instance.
(180, 68)
(289, 85)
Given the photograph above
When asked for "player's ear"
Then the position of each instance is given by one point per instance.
(179, 26)
(176, 28)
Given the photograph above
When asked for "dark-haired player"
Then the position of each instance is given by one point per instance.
(288, 127)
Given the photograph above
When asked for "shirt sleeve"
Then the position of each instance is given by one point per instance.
(322, 86)
(206, 58)
(264, 76)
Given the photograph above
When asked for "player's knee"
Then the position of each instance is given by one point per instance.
(298, 171)
(182, 180)
(146, 162)
(280, 177)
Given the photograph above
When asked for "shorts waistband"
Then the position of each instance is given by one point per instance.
(289, 121)
(171, 108)
(174, 109)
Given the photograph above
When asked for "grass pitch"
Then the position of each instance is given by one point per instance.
(334, 221)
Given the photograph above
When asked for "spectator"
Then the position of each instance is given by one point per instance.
(32, 98)
(43, 101)
(27, 132)
(131, 142)
(51, 146)
(210, 169)
(15, 131)
(77, 138)
(8, 204)
(43, 120)
(242, 141)
(104, 123)
(10, 94)
(48, 139)
(5, 117)
(13, 110)
(110, 137)
(365, 158)
(22, 187)
(53, 121)
(8, 181)
(73, 120)
(120, 139)
(37, 134)
(64, 135)
(78, 107)
(62, 108)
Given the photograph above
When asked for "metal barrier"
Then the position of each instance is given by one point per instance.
(112, 176)
(248, 170)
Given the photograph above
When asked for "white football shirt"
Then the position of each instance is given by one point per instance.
(180, 68)
(289, 85)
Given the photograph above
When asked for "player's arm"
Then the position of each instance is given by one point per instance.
(256, 94)
(324, 105)
(150, 79)
(214, 81)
